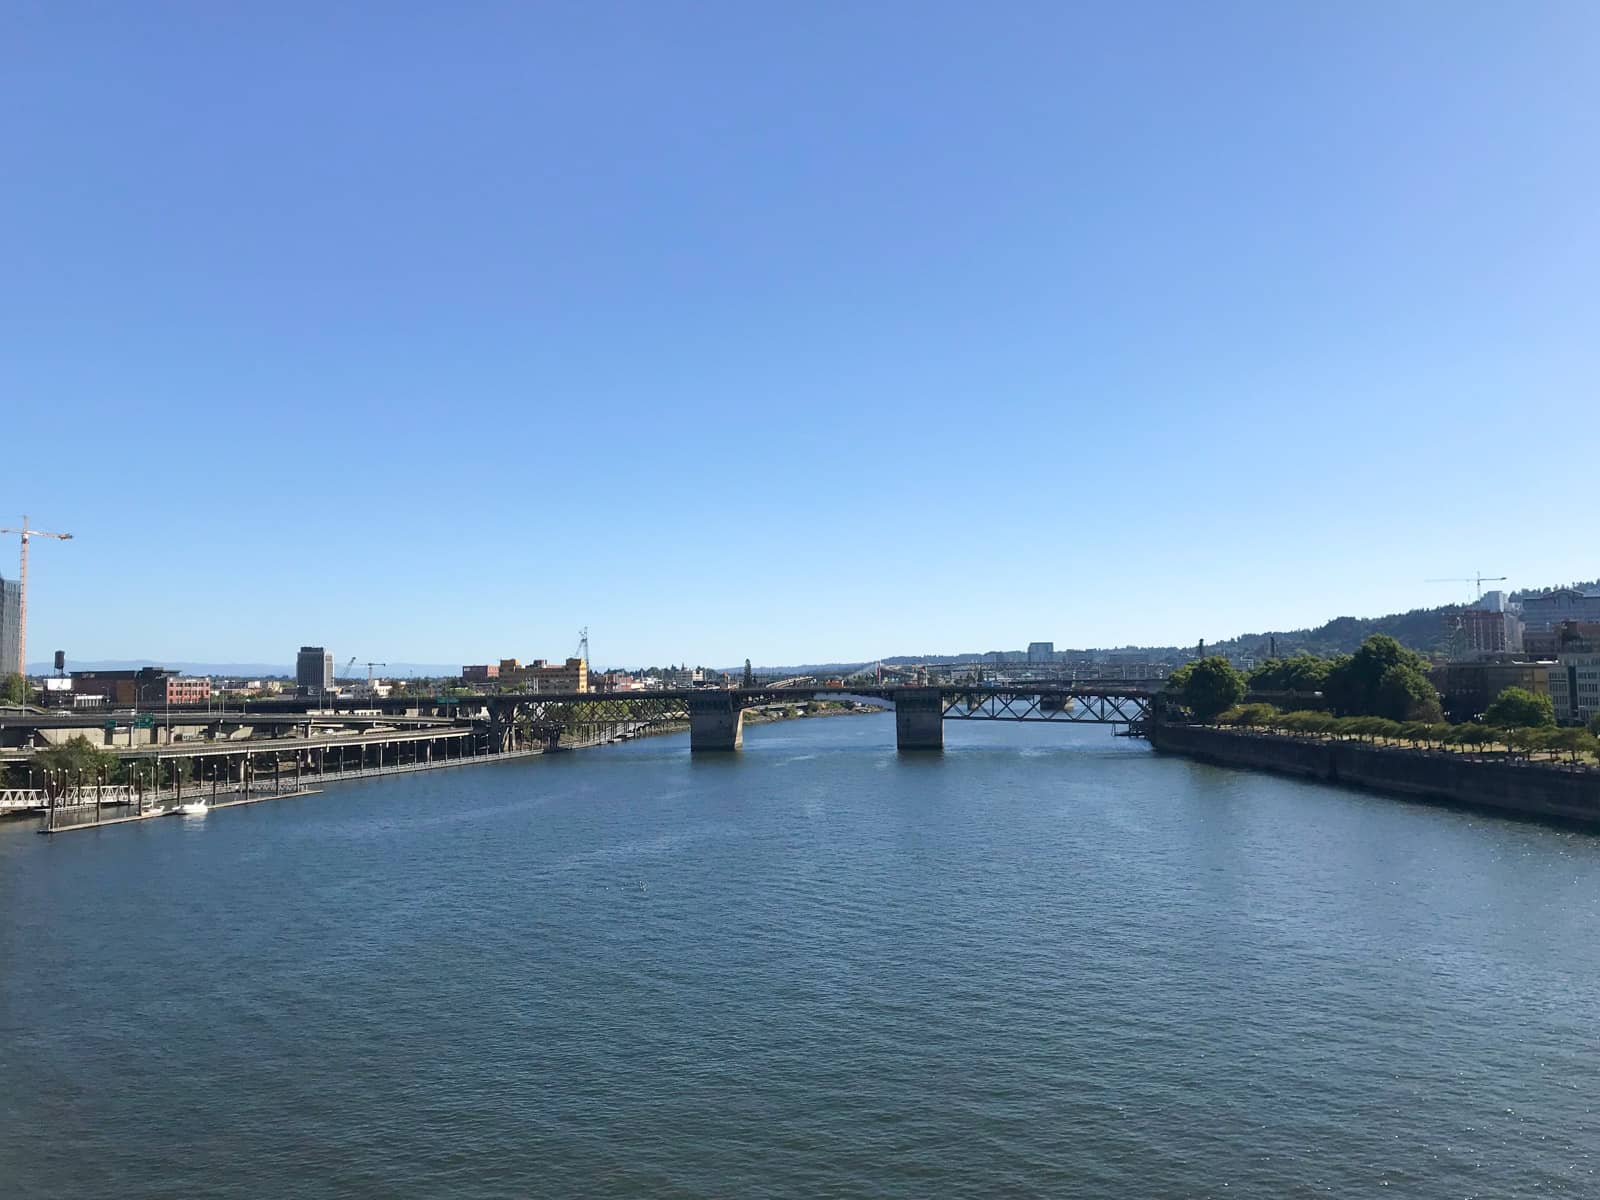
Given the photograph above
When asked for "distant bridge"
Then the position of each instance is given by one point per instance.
(496, 722)
(716, 715)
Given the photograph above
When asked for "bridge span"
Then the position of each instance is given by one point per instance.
(506, 721)
(716, 715)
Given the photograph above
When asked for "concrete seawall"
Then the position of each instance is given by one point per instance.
(1440, 778)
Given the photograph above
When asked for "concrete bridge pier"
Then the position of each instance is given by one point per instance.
(716, 722)
(919, 719)
(501, 727)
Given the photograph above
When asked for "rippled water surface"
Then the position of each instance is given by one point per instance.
(1045, 963)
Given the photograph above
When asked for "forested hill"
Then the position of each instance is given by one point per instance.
(1422, 629)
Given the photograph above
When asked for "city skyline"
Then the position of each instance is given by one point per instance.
(1046, 651)
(852, 331)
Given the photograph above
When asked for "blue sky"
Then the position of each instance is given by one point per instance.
(432, 333)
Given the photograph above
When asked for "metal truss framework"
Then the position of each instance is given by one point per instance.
(514, 720)
(1064, 707)
(526, 720)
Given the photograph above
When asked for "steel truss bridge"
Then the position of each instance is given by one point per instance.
(506, 721)
(715, 715)
(1072, 708)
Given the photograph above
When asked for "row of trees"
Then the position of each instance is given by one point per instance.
(1381, 679)
(1519, 739)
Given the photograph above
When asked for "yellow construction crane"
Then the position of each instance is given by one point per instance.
(22, 589)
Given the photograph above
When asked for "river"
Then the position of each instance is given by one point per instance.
(1046, 963)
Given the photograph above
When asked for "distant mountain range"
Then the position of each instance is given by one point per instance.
(1421, 629)
(240, 670)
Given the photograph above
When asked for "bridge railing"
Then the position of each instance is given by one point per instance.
(21, 799)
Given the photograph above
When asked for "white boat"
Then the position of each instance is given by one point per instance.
(194, 808)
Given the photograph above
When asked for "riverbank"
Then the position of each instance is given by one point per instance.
(1544, 790)
(770, 713)
(81, 816)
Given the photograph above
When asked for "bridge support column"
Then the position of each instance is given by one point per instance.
(716, 722)
(502, 726)
(918, 719)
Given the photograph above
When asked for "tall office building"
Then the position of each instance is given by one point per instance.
(313, 669)
(1041, 652)
(10, 625)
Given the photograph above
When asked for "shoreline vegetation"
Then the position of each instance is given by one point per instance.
(1380, 695)
(1568, 746)
(1379, 725)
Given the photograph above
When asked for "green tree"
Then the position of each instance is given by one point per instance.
(1437, 734)
(1353, 684)
(1311, 721)
(13, 689)
(1250, 716)
(1528, 740)
(1404, 694)
(1519, 708)
(1594, 725)
(1300, 673)
(1207, 686)
(1574, 742)
(77, 756)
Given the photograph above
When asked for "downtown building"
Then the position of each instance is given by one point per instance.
(313, 670)
(540, 676)
(141, 686)
(1575, 677)
(10, 626)
(1544, 614)
(1475, 632)
(1575, 688)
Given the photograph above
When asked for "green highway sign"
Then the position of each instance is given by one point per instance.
(111, 726)
(145, 722)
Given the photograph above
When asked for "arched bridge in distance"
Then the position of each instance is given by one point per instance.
(716, 715)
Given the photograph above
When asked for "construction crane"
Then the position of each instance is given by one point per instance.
(1477, 581)
(583, 645)
(22, 589)
(368, 666)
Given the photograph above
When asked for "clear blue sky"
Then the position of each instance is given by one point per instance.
(433, 332)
